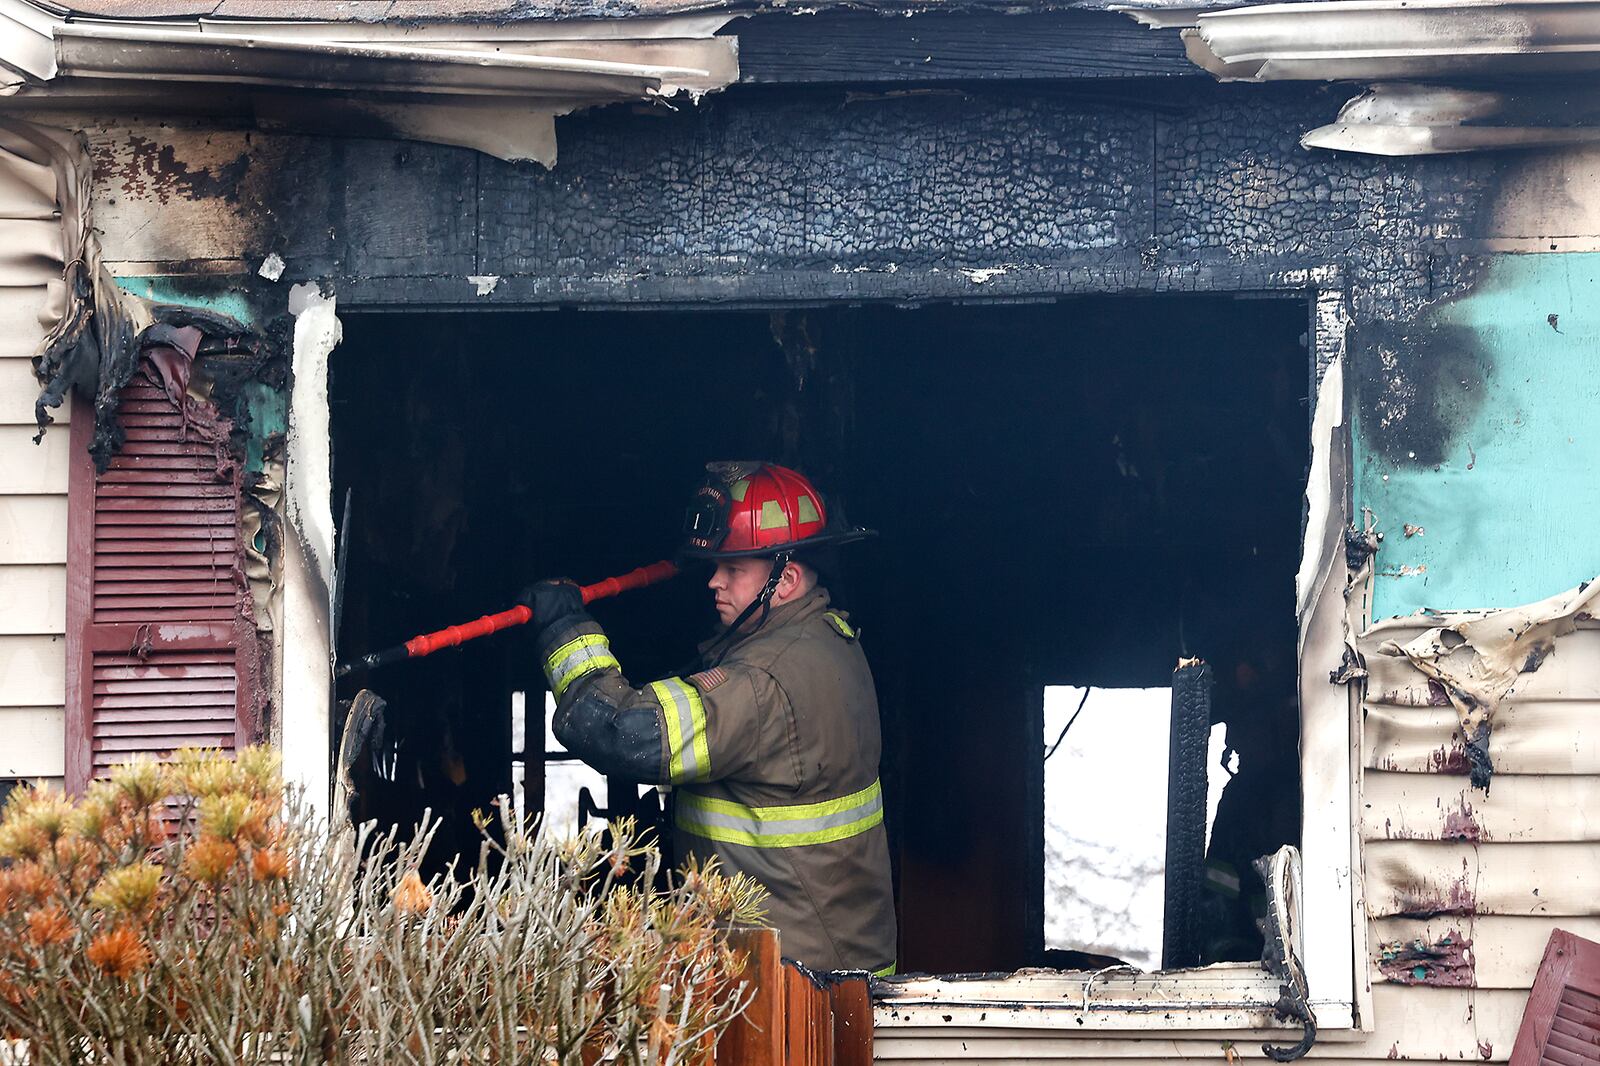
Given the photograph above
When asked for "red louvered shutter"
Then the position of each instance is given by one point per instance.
(1561, 1024)
(161, 644)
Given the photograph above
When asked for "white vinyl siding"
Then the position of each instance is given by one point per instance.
(33, 494)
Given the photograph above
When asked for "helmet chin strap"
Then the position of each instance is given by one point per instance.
(763, 602)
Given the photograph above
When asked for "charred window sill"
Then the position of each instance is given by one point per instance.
(1233, 997)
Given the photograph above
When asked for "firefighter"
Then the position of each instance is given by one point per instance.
(772, 747)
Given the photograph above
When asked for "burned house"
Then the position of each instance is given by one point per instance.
(1260, 337)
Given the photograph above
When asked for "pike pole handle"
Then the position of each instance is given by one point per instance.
(653, 574)
(449, 637)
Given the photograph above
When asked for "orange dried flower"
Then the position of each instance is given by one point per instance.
(411, 896)
(120, 952)
(210, 859)
(269, 864)
(49, 925)
(32, 881)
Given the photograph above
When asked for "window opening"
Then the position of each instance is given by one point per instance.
(1076, 491)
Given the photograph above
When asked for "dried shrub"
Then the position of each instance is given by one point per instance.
(187, 913)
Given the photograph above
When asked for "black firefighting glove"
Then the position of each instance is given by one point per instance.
(551, 602)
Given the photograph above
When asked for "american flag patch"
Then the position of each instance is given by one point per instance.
(706, 680)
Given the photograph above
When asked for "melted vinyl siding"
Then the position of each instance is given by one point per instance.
(1447, 864)
(33, 498)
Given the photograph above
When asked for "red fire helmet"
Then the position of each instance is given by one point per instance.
(757, 508)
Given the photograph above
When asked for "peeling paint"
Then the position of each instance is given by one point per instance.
(1459, 824)
(1451, 759)
(484, 284)
(153, 170)
(1445, 963)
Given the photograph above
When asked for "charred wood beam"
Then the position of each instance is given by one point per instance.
(840, 48)
(1076, 274)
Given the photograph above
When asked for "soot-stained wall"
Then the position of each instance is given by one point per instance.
(1482, 470)
(769, 195)
(781, 195)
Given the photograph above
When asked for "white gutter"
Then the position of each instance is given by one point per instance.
(1394, 39)
(1392, 44)
(109, 50)
(27, 46)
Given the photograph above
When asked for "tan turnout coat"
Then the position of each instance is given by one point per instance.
(773, 758)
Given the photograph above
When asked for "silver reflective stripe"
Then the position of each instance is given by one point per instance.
(689, 757)
(575, 658)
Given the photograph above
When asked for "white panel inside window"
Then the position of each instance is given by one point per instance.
(1105, 818)
(1105, 827)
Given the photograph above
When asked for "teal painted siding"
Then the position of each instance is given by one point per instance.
(268, 407)
(182, 290)
(1511, 512)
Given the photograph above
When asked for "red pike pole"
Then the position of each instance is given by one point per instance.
(428, 643)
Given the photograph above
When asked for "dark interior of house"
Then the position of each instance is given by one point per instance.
(1075, 492)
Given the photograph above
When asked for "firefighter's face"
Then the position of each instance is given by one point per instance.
(735, 584)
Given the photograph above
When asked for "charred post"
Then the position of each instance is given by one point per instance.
(1186, 813)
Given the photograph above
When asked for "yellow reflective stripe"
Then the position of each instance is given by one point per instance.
(887, 971)
(731, 835)
(837, 621)
(689, 753)
(791, 812)
(780, 827)
(576, 658)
